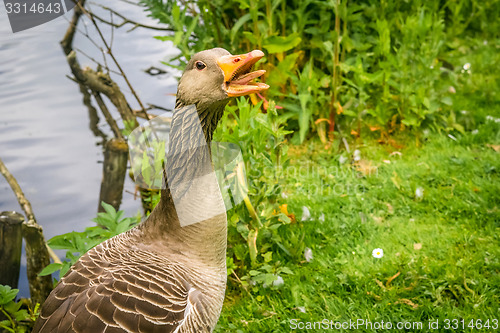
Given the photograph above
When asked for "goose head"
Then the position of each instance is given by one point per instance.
(213, 76)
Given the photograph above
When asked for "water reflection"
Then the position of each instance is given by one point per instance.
(45, 139)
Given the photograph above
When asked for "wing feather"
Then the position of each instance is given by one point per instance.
(130, 293)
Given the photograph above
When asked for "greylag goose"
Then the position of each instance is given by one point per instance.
(163, 275)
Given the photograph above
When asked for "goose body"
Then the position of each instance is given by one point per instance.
(165, 275)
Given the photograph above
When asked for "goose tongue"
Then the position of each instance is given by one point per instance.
(238, 78)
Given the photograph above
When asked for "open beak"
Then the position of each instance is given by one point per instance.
(238, 78)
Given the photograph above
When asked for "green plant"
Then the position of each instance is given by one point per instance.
(109, 223)
(255, 245)
(20, 316)
(360, 64)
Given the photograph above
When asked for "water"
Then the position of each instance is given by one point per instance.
(45, 139)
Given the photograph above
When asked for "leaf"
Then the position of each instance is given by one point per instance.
(65, 268)
(60, 242)
(21, 315)
(286, 270)
(236, 27)
(254, 273)
(278, 44)
(7, 294)
(110, 210)
(447, 100)
(242, 228)
(494, 147)
(6, 324)
(252, 245)
(123, 226)
(49, 269)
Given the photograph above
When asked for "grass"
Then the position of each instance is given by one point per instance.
(441, 250)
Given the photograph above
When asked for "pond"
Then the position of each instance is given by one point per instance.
(45, 139)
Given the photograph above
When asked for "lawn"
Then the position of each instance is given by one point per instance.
(430, 204)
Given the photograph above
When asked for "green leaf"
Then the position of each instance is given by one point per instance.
(268, 256)
(65, 268)
(236, 27)
(110, 210)
(286, 270)
(7, 294)
(254, 273)
(21, 315)
(12, 307)
(447, 100)
(50, 269)
(123, 226)
(6, 324)
(278, 44)
(60, 242)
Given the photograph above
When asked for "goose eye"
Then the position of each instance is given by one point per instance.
(200, 65)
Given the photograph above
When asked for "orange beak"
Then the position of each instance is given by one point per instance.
(238, 79)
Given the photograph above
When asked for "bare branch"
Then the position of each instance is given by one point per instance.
(127, 21)
(107, 115)
(21, 198)
(97, 62)
(108, 49)
(37, 253)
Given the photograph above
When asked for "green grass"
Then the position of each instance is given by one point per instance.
(445, 245)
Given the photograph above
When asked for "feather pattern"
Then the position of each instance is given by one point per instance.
(158, 276)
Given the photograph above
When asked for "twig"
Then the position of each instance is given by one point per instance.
(102, 83)
(126, 21)
(112, 123)
(131, 3)
(21, 198)
(37, 250)
(154, 106)
(108, 49)
(96, 62)
(53, 255)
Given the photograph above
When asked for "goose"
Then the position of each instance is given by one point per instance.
(162, 275)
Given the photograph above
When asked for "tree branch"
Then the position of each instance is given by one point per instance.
(126, 21)
(37, 254)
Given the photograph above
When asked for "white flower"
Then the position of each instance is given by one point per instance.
(284, 195)
(452, 137)
(474, 132)
(308, 254)
(306, 214)
(419, 193)
(278, 282)
(378, 253)
(342, 159)
(356, 155)
(322, 217)
(490, 118)
(301, 309)
(464, 112)
(466, 66)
